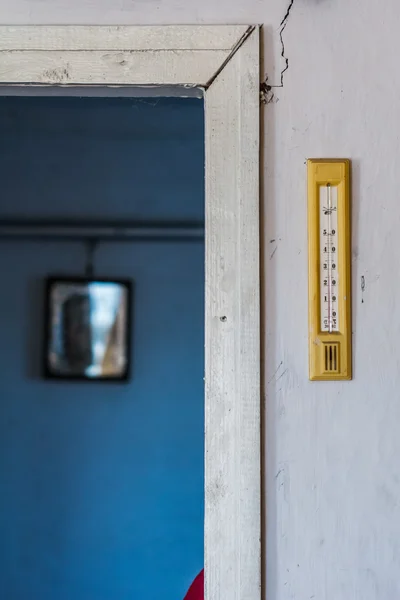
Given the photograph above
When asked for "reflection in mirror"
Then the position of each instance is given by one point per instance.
(87, 329)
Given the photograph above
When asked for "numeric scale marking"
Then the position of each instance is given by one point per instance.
(329, 288)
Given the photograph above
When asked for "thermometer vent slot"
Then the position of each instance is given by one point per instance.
(331, 358)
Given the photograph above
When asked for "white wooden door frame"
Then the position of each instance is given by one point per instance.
(223, 61)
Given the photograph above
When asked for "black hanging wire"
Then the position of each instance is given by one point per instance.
(91, 246)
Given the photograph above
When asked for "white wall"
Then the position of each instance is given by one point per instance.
(332, 449)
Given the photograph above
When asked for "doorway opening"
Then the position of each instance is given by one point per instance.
(103, 482)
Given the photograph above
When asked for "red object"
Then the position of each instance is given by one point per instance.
(196, 590)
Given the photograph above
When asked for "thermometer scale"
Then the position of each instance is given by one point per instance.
(329, 269)
(329, 289)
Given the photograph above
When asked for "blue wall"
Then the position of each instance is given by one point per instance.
(101, 486)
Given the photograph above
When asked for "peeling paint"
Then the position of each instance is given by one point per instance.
(57, 75)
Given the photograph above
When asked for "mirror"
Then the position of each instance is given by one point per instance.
(88, 326)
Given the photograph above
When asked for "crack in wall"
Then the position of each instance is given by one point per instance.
(285, 18)
(282, 26)
(267, 95)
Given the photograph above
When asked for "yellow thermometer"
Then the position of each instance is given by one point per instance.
(329, 260)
